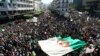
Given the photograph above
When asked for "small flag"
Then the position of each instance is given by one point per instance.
(33, 53)
(58, 46)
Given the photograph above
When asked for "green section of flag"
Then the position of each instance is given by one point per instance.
(73, 43)
(59, 37)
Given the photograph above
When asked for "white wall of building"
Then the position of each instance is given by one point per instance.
(61, 6)
(17, 5)
(37, 5)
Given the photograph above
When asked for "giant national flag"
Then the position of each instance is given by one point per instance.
(58, 46)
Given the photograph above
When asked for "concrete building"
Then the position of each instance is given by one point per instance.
(93, 6)
(86, 4)
(38, 5)
(61, 6)
(13, 7)
(91, 3)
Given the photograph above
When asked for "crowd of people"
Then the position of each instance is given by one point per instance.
(20, 38)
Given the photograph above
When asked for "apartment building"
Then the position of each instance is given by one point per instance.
(61, 6)
(86, 4)
(38, 5)
(13, 7)
(91, 3)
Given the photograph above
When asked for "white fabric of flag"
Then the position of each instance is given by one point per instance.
(55, 47)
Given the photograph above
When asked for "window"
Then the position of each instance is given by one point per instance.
(31, 1)
(3, 13)
(14, 5)
(21, 0)
(1, 4)
(0, 13)
(18, 5)
(24, 5)
(21, 5)
(9, 5)
(11, 1)
(62, 1)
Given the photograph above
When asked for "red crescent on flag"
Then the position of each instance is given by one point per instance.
(61, 43)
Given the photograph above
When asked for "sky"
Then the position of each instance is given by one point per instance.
(70, 0)
(46, 1)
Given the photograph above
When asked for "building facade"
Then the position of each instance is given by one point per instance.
(91, 3)
(12, 7)
(87, 4)
(61, 6)
(37, 5)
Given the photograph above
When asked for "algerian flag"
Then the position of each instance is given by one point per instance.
(57, 47)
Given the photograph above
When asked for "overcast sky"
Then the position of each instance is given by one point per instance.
(70, 0)
(47, 1)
